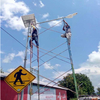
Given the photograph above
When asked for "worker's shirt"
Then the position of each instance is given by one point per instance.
(67, 29)
(34, 33)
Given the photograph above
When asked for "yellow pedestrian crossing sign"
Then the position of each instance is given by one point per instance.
(19, 79)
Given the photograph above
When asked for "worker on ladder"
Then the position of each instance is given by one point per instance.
(34, 37)
(67, 30)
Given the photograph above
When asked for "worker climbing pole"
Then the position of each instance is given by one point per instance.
(34, 36)
(67, 35)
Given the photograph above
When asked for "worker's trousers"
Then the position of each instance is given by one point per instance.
(67, 35)
(36, 41)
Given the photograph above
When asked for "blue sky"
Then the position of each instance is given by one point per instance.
(85, 40)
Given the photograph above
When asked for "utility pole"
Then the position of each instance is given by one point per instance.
(38, 71)
(71, 61)
(70, 55)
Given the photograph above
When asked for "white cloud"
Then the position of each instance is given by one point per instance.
(25, 31)
(10, 70)
(38, 26)
(1, 52)
(94, 57)
(57, 65)
(9, 58)
(56, 23)
(92, 67)
(20, 54)
(34, 4)
(41, 4)
(10, 9)
(47, 66)
(45, 15)
(15, 23)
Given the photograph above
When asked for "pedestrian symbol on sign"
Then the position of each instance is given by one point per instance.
(17, 75)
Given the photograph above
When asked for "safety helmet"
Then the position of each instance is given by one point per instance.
(33, 27)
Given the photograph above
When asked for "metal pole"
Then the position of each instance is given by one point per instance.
(38, 84)
(70, 55)
(30, 66)
(18, 96)
(30, 91)
(38, 71)
(26, 47)
(25, 57)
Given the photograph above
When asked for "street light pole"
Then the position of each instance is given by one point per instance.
(70, 55)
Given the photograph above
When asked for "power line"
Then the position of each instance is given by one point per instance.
(13, 37)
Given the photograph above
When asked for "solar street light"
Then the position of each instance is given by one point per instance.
(28, 19)
(71, 15)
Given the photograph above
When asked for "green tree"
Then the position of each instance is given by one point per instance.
(98, 91)
(83, 82)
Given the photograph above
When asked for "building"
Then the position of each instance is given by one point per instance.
(46, 93)
(90, 98)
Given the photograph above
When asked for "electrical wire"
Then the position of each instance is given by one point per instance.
(13, 37)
